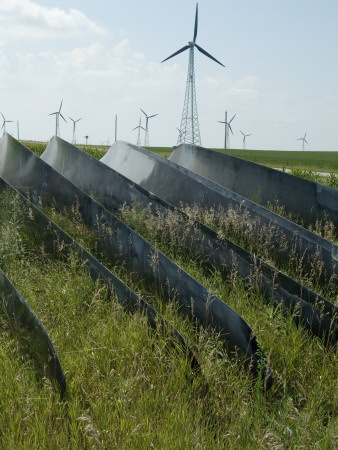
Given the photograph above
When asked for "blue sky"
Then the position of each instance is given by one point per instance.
(104, 58)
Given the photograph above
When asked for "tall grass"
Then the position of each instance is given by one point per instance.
(126, 389)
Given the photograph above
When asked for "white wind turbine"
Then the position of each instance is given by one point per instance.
(57, 119)
(74, 127)
(146, 138)
(304, 140)
(4, 123)
(227, 127)
(139, 127)
(190, 132)
(244, 138)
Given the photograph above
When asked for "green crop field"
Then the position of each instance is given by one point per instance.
(318, 161)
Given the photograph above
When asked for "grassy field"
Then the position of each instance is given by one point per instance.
(318, 161)
(126, 387)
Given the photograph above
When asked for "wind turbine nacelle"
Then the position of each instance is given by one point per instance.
(191, 44)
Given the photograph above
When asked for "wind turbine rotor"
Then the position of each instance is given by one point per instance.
(232, 119)
(196, 24)
(62, 117)
(177, 53)
(208, 55)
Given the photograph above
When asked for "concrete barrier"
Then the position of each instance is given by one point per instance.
(34, 177)
(23, 320)
(44, 230)
(87, 173)
(303, 198)
(178, 185)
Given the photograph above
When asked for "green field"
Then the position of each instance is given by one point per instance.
(318, 161)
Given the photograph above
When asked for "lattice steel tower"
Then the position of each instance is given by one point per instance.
(189, 129)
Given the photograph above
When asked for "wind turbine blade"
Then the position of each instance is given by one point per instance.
(196, 23)
(143, 112)
(9, 121)
(78, 119)
(242, 133)
(63, 117)
(70, 118)
(220, 121)
(176, 53)
(232, 119)
(3, 116)
(306, 141)
(152, 116)
(51, 114)
(61, 105)
(208, 55)
(135, 128)
(305, 134)
(249, 134)
(230, 127)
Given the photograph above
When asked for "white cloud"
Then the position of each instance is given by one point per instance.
(29, 20)
(245, 88)
(121, 48)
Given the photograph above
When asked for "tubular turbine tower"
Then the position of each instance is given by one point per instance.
(189, 129)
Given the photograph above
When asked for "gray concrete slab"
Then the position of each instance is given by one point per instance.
(34, 177)
(88, 173)
(51, 235)
(306, 199)
(24, 320)
(178, 185)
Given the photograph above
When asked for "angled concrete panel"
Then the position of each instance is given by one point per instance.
(34, 177)
(46, 231)
(177, 185)
(88, 173)
(23, 318)
(306, 199)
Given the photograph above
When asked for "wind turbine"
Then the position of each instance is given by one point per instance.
(227, 127)
(189, 123)
(4, 123)
(57, 119)
(146, 138)
(304, 140)
(138, 143)
(74, 126)
(86, 137)
(245, 136)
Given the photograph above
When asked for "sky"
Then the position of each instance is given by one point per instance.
(103, 59)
